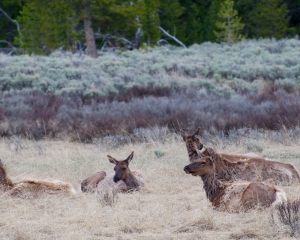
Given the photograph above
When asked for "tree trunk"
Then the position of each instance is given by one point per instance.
(89, 33)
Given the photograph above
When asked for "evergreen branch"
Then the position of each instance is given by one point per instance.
(172, 37)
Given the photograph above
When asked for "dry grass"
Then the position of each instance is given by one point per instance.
(173, 206)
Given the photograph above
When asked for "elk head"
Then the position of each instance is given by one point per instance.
(201, 167)
(121, 168)
(193, 143)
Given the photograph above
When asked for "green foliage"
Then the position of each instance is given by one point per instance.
(229, 24)
(150, 21)
(269, 18)
(50, 25)
(169, 16)
(55, 24)
(242, 68)
(47, 26)
(192, 20)
(158, 153)
(210, 20)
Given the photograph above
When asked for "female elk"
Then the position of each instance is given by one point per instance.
(123, 180)
(132, 179)
(32, 187)
(237, 196)
(250, 167)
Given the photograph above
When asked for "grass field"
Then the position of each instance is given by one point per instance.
(172, 206)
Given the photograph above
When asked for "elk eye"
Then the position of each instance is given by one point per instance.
(202, 163)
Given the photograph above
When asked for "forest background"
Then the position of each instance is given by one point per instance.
(232, 65)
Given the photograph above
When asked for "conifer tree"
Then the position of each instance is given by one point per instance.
(228, 25)
(150, 21)
(170, 12)
(192, 21)
(49, 25)
(269, 19)
(210, 20)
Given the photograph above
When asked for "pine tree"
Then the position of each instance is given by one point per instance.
(170, 12)
(228, 24)
(150, 21)
(269, 19)
(192, 21)
(210, 20)
(49, 25)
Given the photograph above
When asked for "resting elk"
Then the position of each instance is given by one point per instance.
(233, 197)
(32, 187)
(123, 180)
(250, 167)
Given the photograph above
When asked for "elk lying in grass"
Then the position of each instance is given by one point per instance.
(250, 167)
(123, 180)
(31, 187)
(194, 147)
(233, 197)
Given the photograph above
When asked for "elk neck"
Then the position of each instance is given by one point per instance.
(212, 186)
(5, 182)
(131, 182)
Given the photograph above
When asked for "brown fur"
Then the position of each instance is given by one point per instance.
(231, 167)
(193, 145)
(31, 187)
(5, 182)
(250, 167)
(124, 180)
(90, 184)
(237, 196)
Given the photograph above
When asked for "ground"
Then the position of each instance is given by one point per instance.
(172, 206)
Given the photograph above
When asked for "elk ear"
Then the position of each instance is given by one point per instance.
(211, 154)
(130, 157)
(182, 133)
(112, 160)
(197, 132)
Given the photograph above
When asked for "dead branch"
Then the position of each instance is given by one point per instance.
(172, 37)
(14, 21)
(162, 41)
(8, 51)
(129, 44)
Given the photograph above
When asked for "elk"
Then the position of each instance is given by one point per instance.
(195, 147)
(32, 187)
(249, 167)
(123, 180)
(233, 197)
(90, 184)
(132, 179)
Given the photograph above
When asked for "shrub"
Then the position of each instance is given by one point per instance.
(159, 153)
(288, 214)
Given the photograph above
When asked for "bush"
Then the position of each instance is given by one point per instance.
(288, 214)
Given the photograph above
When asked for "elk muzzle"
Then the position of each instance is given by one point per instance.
(187, 169)
(116, 179)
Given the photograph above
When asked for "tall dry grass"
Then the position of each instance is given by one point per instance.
(173, 206)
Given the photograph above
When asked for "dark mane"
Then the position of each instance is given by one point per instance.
(212, 186)
(131, 182)
(225, 170)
